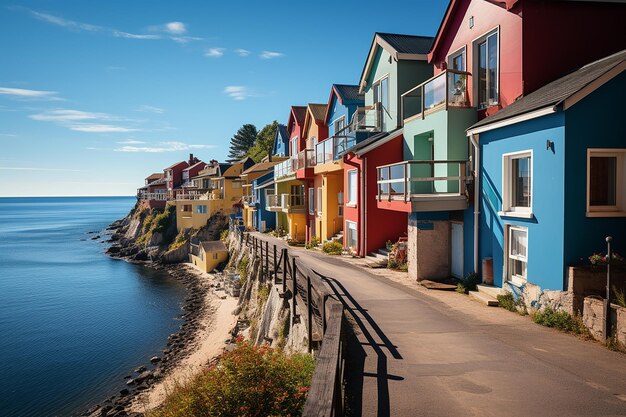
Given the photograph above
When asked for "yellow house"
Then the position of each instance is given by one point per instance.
(206, 256)
(223, 194)
(288, 201)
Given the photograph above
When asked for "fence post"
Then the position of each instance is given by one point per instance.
(309, 311)
(607, 300)
(324, 298)
(261, 261)
(267, 259)
(275, 265)
(294, 288)
(285, 263)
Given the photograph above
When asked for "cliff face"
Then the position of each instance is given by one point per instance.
(151, 235)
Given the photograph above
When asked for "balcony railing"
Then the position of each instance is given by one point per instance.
(448, 89)
(284, 168)
(190, 196)
(368, 118)
(411, 179)
(306, 159)
(153, 196)
(273, 202)
(249, 200)
(292, 202)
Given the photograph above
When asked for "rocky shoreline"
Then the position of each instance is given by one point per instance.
(178, 345)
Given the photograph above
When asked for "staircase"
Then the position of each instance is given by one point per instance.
(337, 237)
(377, 259)
(486, 294)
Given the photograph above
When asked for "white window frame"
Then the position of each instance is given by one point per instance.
(311, 200)
(351, 203)
(476, 63)
(356, 233)
(619, 209)
(508, 210)
(319, 201)
(514, 279)
(293, 150)
(461, 51)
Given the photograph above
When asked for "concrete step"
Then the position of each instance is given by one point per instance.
(375, 262)
(483, 298)
(379, 255)
(490, 290)
(383, 251)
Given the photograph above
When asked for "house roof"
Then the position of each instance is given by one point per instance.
(157, 182)
(570, 87)
(374, 141)
(194, 166)
(281, 136)
(261, 166)
(155, 176)
(348, 92)
(407, 47)
(299, 112)
(177, 164)
(318, 111)
(213, 246)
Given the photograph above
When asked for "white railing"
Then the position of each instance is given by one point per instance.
(368, 118)
(153, 196)
(292, 202)
(448, 89)
(408, 179)
(272, 202)
(249, 200)
(284, 169)
(190, 196)
(306, 159)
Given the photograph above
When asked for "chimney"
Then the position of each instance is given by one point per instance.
(190, 159)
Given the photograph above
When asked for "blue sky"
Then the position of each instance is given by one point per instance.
(96, 95)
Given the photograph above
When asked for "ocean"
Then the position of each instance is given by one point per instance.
(73, 322)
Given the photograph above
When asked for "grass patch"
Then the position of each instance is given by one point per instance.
(224, 235)
(181, 239)
(332, 248)
(263, 294)
(249, 381)
(242, 269)
(561, 320)
(508, 302)
(468, 283)
(620, 296)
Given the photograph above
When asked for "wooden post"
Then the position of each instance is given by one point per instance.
(267, 259)
(285, 263)
(275, 265)
(324, 298)
(309, 305)
(294, 288)
(261, 261)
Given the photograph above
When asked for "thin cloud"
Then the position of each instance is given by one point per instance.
(66, 23)
(150, 109)
(23, 93)
(185, 39)
(242, 52)
(163, 147)
(175, 28)
(8, 135)
(215, 52)
(130, 142)
(37, 169)
(238, 92)
(120, 34)
(82, 121)
(270, 55)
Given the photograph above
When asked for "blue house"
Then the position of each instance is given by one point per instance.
(281, 142)
(552, 179)
(262, 186)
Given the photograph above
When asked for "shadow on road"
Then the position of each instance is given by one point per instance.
(363, 334)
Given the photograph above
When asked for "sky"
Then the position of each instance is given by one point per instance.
(96, 95)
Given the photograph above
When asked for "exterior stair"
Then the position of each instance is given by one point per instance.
(377, 259)
(486, 294)
(337, 237)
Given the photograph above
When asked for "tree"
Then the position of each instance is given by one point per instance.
(242, 141)
(264, 142)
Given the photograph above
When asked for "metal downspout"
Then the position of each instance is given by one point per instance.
(474, 139)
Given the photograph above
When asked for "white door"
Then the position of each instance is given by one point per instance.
(456, 250)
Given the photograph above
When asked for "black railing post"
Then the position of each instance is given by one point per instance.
(607, 301)
(309, 305)
(285, 263)
(275, 266)
(294, 288)
(261, 261)
(267, 259)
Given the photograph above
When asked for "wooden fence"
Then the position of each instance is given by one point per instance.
(315, 304)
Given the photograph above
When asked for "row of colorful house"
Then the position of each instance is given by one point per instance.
(494, 147)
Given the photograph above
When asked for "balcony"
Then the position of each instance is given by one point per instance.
(414, 186)
(292, 203)
(368, 118)
(284, 169)
(153, 196)
(249, 200)
(306, 159)
(190, 196)
(445, 90)
(273, 203)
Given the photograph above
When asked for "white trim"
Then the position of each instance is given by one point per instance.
(356, 235)
(476, 61)
(513, 120)
(619, 209)
(517, 281)
(507, 197)
(311, 190)
(319, 200)
(351, 203)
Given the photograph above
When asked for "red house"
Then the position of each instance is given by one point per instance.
(174, 175)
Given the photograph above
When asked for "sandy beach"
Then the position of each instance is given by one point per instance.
(209, 341)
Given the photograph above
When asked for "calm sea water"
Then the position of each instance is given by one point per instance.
(73, 322)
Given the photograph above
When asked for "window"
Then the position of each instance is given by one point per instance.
(340, 204)
(339, 125)
(606, 171)
(487, 68)
(186, 207)
(517, 254)
(517, 184)
(294, 147)
(352, 187)
(351, 241)
(319, 201)
(381, 95)
(201, 209)
(236, 185)
(311, 200)
(215, 255)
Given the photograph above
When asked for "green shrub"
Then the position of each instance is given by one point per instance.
(561, 320)
(468, 283)
(263, 294)
(224, 235)
(250, 381)
(620, 296)
(242, 269)
(312, 243)
(181, 239)
(332, 248)
(389, 245)
(392, 263)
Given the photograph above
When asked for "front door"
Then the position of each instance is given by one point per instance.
(456, 249)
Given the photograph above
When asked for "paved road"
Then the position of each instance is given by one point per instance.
(440, 354)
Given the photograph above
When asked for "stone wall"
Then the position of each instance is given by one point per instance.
(584, 281)
(428, 249)
(594, 319)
